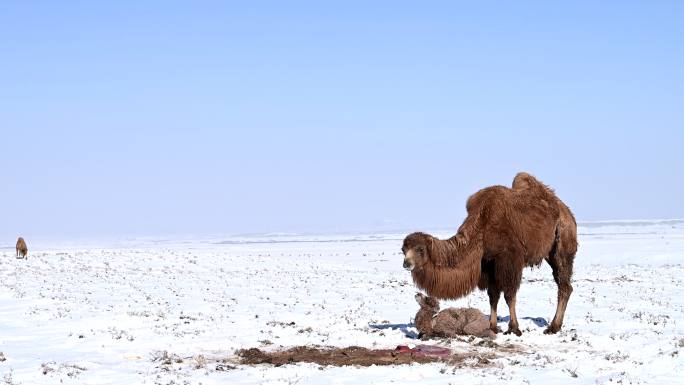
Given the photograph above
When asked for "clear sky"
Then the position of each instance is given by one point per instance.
(147, 118)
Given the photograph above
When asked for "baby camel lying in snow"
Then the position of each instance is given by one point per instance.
(450, 322)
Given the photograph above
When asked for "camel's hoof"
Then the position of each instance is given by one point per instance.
(552, 329)
(515, 331)
(496, 330)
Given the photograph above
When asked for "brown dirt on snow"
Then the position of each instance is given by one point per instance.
(352, 355)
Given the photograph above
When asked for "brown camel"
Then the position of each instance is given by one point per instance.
(450, 322)
(506, 229)
(21, 248)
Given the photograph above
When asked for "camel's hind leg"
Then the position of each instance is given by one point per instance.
(562, 272)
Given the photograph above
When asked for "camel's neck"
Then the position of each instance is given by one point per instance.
(454, 269)
(423, 321)
(455, 251)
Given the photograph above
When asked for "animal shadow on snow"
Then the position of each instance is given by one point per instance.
(539, 321)
(404, 328)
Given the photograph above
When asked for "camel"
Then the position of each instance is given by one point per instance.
(22, 250)
(449, 322)
(505, 230)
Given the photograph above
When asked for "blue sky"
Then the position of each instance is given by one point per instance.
(234, 117)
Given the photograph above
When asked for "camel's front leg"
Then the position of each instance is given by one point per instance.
(494, 295)
(513, 323)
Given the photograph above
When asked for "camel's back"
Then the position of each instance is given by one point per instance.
(454, 321)
(449, 322)
(517, 218)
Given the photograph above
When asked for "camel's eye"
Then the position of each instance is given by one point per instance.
(419, 249)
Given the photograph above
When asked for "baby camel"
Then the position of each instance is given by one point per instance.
(450, 322)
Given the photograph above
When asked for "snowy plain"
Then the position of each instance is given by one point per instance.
(173, 311)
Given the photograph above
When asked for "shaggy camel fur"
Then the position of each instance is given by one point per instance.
(450, 322)
(506, 229)
(21, 248)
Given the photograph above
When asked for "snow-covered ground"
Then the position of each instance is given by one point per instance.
(173, 311)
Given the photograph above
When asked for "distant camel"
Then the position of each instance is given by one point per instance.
(21, 248)
(506, 229)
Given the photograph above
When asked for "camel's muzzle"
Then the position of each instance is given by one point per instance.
(409, 261)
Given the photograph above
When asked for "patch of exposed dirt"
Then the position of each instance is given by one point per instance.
(353, 355)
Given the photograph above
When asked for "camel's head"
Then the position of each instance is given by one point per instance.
(415, 249)
(427, 303)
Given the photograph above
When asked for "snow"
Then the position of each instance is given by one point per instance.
(110, 312)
